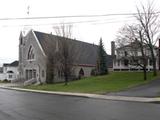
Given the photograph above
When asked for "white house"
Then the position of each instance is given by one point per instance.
(9, 71)
(123, 57)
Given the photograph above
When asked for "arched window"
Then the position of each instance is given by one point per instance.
(81, 73)
(31, 54)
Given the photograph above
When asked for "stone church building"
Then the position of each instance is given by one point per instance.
(34, 50)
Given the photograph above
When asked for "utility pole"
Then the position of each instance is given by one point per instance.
(26, 28)
(28, 8)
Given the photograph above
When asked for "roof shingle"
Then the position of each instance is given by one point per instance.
(86, 53)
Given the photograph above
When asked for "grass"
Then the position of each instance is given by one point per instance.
(115, 81)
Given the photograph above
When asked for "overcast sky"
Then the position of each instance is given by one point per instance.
(88, 29)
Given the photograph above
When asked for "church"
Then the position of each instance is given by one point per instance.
(34, 51)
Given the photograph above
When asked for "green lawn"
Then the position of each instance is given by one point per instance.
(115, 81)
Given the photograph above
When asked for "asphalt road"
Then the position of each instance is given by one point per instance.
(15, 105)
(147, 90)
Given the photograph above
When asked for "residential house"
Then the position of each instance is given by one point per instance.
(123, 57)
(9, 71)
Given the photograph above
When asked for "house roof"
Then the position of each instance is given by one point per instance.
(86, 53)
(5, 64)
(135, 45)
(13, 64)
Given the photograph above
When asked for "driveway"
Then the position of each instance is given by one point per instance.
(151, 89)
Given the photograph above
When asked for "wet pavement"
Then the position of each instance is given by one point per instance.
(16, 105)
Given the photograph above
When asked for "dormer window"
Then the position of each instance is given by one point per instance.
(31, 54)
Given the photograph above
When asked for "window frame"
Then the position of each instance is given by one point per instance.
(31, 54)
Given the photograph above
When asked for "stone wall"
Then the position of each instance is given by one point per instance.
(38, 63)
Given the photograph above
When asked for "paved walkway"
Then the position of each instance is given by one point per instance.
(11, 84)
(147, 90)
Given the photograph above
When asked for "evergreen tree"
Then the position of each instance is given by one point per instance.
(101, 62)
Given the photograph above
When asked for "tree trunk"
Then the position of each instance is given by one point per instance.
(66, 72)
(154, 62)
(66, 79)
(154, 68)
(144, 73)
(143, 57)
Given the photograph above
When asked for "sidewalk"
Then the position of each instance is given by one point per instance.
(10, 85)
(95, 96)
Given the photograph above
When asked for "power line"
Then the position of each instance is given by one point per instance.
(74, 16)
(72, 22)
(93, 22)
(117, 21)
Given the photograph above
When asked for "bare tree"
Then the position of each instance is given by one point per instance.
(147, 18)
(131, 39)
(65, 57)
(50, 69)
(51, 61)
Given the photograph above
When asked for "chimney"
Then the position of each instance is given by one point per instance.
(112, 48)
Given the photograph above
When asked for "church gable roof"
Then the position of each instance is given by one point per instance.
(86, 53)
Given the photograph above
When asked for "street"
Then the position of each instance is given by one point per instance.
(15, 105)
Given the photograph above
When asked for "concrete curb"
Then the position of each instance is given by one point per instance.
(95, 96)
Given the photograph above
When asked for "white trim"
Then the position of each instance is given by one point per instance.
(31, 60)
(39, 43)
